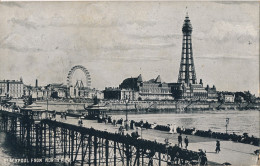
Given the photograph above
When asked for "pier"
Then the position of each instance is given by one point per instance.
(71, 144)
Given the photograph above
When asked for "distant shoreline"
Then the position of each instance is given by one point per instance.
(158, 106)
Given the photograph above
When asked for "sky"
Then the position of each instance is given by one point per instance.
(117, 40)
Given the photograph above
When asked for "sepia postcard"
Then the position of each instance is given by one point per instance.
(129, 83)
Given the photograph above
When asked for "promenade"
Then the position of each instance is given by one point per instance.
(238, 154)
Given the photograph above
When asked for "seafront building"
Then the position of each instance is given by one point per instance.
(60, 90)
(56, 90)
(79, 91)
(11, 88)
(228, 98)
(135, 88)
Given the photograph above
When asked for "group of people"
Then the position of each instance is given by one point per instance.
(186, 141)
(173, 128)
(203, 157)
(63, 115)
(54, 115)
(245, 138)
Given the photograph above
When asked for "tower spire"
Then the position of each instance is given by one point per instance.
(187, 72)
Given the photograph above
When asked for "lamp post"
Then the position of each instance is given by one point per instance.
(227, 122)
(47, 104)
(126, 116)
(166, 141)
(141, 131)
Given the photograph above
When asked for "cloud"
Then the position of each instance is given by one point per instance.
(223, 31)
(235, 2)
(59, 21)
(127, 47)
(82, 25)
(164, 37)
(11, 4)
(142, 22)
(18, 43)
(15, 48)
(222, 57)
(23, 22)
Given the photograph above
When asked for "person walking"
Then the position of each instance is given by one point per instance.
(79, 121)
(174, 129)
(180, 140)
(186, 141)
(217, 146)
(54, 114)
(203, 160)
(65, 115)
(171, 128)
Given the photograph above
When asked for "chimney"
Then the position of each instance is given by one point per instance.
(201, 82)
(36, 83)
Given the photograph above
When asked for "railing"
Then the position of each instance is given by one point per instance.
(77, 145)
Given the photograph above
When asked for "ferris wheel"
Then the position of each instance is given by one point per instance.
(72, 71)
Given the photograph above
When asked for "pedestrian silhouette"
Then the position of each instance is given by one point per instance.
(186, 141)
(203, 160)
(180, 140)
(217, 146)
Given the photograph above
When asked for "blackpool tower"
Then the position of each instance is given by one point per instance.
(187, 72)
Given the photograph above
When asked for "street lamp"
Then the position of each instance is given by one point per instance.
(167, 144)
(141, 131)
(227, 122)
(126, 116)
(47, 104)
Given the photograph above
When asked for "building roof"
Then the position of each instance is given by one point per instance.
(139, 78)
(11, 81)
(150, 81)
(158, 79)
(129, 81)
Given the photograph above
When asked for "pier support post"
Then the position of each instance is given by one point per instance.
(107, 150)
(37, 138)
(114, 153)
(69, 144)
(160, 159)
(142, 157)
(95, 150)
(44, 129)
(54, 139)
(127, 155)
(40, 138)
(65, 142)
(82, 149)
(28, 141)
(89, 154)
(72, 145)
(137, 156)
(49, 141)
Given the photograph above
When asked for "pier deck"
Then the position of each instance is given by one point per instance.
(49, 137)
(231, 152)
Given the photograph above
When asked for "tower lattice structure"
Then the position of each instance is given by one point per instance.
(187, 72)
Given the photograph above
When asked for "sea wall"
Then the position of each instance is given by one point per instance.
(176, 105)
(60, 106)
(151, 106)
